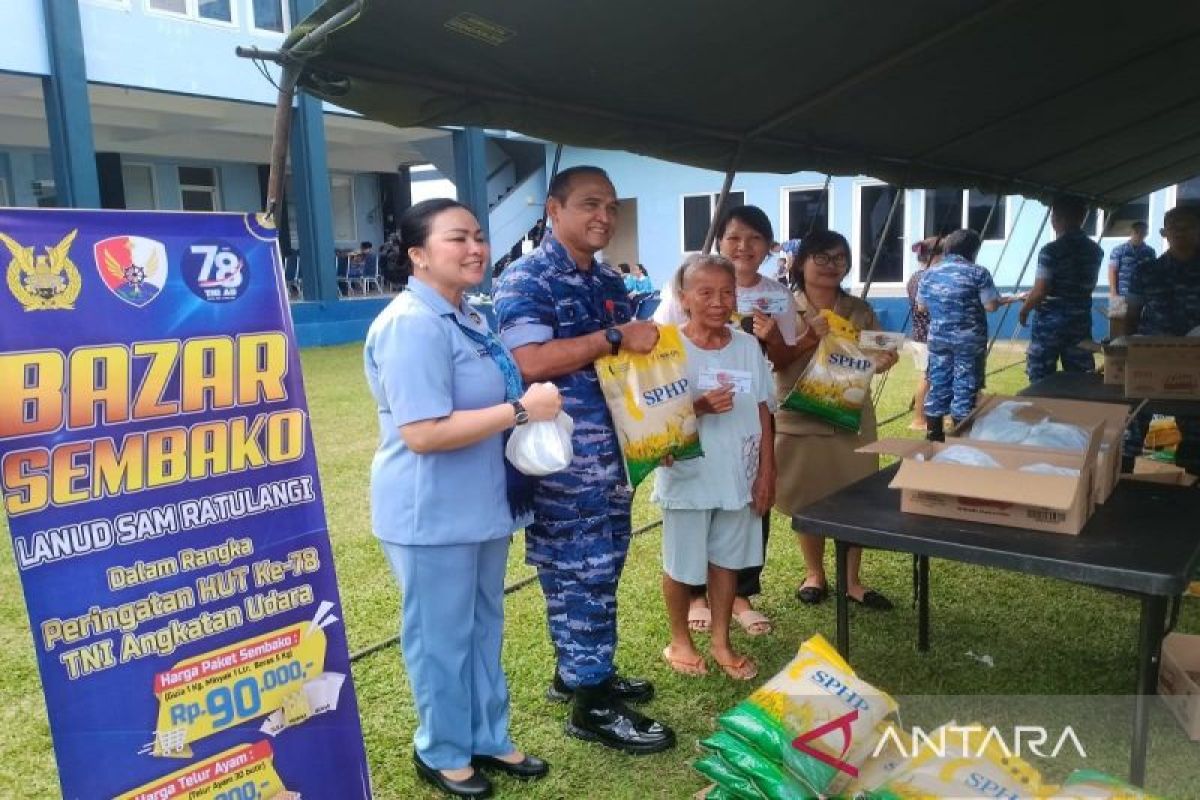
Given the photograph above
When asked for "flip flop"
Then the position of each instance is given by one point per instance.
(700, 619)
(812, 595)
(753, 622)
(743, 669)
(692, 669)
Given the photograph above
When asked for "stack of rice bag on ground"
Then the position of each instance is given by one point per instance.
(816, 730)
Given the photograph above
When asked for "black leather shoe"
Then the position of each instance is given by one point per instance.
(475, 786)
(530, 769)
(599, 717)
(629, 690)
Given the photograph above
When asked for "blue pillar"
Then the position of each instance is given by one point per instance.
(470, 180)
(68, 112)
(310, 189)
(311, 196)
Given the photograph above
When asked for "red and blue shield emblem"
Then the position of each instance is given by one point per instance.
(133, 268)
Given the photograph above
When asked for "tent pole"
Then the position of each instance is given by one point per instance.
(281, 137)
(711, 236)
(554, 169)
(887, 226)
(292, 61)
(824, 206)
(1017, 286)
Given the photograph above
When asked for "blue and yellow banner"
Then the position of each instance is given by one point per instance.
(158, 476)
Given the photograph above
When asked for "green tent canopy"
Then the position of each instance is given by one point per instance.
(1036, 97)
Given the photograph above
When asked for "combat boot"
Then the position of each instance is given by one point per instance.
(629, 690)
(598, 716)
(936, 429)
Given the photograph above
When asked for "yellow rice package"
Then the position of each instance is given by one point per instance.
(964, 761)
(816, 719)
(836, 384)
(885, 762)
(651, 404)
(1088, 784)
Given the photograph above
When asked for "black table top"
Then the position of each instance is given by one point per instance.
(1090, 386)
(1145, 539)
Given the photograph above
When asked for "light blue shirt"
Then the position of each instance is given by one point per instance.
(421, 366)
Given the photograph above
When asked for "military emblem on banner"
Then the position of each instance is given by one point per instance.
(47, 282)
(133, 268)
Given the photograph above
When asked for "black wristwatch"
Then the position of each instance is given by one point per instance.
(519, 410)
(613, 337)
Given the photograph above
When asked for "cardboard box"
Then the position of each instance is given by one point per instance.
(1116, 356)
(1179, 681)
(1152, 471)
(1005, 496)
(1115, 418)
(1163, 367)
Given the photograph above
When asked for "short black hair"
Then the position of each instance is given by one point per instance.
(623, 267)
(817, 242)
(560, 184)
(752, 216)
(964, 243)
(1141, 223)
(364, 245)
(1071, 206)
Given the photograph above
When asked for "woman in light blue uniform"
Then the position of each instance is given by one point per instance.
(447, 392)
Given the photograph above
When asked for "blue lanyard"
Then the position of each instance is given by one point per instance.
(514, 387)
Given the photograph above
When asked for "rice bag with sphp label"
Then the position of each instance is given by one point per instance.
(816, 719)
(836, 383)
(1094, 785)
(650, 402)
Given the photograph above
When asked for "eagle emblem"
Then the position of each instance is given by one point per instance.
(133, 268)
(48, 282)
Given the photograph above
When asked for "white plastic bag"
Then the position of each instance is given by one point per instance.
(1042, 468)
(967, 456)
(1057, 436)
(1000, 424)
(541, 448)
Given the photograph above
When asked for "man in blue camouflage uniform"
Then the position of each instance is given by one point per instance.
(957, 294)
(1164, 300)
(559, 310)
(1067, 272)
(1126, 258)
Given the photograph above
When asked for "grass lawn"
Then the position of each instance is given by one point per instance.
(1044, 638)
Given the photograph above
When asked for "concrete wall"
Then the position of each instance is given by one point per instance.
(24, 47)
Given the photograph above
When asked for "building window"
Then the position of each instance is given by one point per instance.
(1188, 192)
(947, 210)
(698, 214)
(979, 208)
(807, 210)
(205, 10)
(270, 15)
(874, 232)
(138, 181)
(198, 189)
(341, 192)
(45, 193)
(4, 198)
(1121, 221)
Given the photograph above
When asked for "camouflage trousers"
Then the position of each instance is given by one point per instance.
(1056, 338)
(578, 543)
(955, 376)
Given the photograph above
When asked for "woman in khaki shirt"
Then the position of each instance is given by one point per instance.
(814, 458)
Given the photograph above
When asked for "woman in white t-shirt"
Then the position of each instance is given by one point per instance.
(767, 309)
(713, 506)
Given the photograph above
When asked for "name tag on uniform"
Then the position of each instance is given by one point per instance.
(769, 304)
(713, 378)
(880, 340)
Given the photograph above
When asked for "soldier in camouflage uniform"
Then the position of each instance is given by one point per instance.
(558, 310)
(956, 293)
(1164, 300)
(1068, 269)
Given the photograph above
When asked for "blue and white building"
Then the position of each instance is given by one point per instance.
(141, 104)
